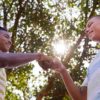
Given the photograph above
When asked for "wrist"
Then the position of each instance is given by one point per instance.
(62, 69)
(38, 56)
(63, 73)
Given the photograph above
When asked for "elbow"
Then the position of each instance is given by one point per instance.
(77, 98)
(4, 63)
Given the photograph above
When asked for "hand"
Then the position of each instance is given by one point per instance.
(44, 61)
(41, 57)
(57, 65)
(52, 63)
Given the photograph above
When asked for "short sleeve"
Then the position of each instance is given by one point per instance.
(85, 82)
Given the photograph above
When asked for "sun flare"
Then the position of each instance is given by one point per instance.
(59, 47)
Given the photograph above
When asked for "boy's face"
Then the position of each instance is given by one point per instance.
(93, 29)
(5, 41)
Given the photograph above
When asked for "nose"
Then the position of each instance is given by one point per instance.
(86, 30)
(10, 42)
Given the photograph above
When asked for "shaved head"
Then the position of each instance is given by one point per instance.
(97, 16)
(3, 29)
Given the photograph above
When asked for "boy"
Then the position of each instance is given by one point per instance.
(90, 89)
(11, 60)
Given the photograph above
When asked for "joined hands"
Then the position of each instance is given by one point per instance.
(54, 63)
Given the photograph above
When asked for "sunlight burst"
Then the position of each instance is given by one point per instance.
(59, 47)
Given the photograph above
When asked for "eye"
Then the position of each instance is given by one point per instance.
(6, 36)
(90, 24)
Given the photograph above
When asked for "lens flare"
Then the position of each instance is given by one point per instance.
(59, 47)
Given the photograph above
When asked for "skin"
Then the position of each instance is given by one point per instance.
(5, 41)
(76, 93)
(11, 60)
(93, 29)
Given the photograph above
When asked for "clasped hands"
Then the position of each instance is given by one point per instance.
(47, 62)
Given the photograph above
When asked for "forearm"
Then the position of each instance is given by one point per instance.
(73, 90)
(16, 59)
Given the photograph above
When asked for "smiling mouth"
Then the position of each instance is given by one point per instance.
(90, 33)
(91, 36)
(8, 45)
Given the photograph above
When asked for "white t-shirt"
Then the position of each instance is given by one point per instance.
(92, 80)
(2, 83)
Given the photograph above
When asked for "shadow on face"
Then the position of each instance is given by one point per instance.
(5, 41)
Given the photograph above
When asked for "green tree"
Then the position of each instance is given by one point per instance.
(34, 24)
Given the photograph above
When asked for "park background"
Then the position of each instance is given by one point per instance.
(52, 27)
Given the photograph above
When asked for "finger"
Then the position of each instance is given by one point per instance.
(45, 64)
(42, 65)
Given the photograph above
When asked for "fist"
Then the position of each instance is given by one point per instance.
(46, 63)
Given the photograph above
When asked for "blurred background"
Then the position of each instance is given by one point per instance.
(51, 27)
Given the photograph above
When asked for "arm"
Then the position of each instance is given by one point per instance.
(10, 60)
(75, 92)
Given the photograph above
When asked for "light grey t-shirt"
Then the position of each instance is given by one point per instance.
(92, 80)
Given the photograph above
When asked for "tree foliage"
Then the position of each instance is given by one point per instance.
(34, 24)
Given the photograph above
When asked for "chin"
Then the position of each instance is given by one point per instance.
(5, 50)
(96, 39)
(91, 39)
